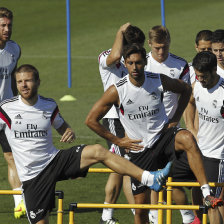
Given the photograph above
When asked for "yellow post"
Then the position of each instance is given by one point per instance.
(60, 212)
(160, 211)
(169, 202)
(204, 218)
(72, 207)
(71, 217)
(60, 195)
(205, 214)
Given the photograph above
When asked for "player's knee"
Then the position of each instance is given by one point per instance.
(186, 140)
(99, 152)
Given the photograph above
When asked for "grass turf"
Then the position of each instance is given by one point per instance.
(40, 29)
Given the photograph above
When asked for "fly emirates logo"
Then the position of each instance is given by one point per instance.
(144, 111)
(203, 114)
(31, 132)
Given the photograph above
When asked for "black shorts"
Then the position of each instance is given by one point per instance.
(214, 169)
(39, 192)
(158, 156)
(4, 142)
(115, 127)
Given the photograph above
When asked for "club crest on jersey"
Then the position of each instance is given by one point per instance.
(45, 115)
(214, 103)
(172, 73)
(197, 99)
(222, 110)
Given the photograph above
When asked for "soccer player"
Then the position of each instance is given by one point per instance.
(27, 120)
(9, 56)
(203, 42)
(111, 69)
(151, 137)
(218, 50)
(208, 99)
(160, 60)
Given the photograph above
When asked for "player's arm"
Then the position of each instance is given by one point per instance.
(67, 133)
(116, 51)
(13, 79)
(191, 115)
(13, 83)
(99, 109)
(180, 87)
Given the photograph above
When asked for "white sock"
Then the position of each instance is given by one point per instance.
(107, 213)
(147, 178)
(17, 197)
(187, 216)
(205, 190)
(133, 211)
(153, 216)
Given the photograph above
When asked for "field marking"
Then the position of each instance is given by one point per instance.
(61, 56)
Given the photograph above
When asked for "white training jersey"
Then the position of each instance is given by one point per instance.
(210, 106)
(174, 67)
(28, 130)
(109, 76)
(141, 111)
(8, 60)
(220, 71)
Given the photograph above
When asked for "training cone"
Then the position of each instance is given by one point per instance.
(68, 98)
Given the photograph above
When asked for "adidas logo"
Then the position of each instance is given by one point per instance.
(18, 116)
(129, 102)
(197, 99)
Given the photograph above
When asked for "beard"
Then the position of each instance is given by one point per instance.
(30, 95)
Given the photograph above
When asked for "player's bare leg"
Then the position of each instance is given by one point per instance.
(113, 187)
(141, 215)
(184, 140)
(45, 220)
(15, 184)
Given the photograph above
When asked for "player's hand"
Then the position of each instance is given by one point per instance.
(130, 144)
(68, 136)
(124, 27)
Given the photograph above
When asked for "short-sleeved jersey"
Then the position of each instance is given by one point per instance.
(210, 107)
(28, 130)
(174, 67)
(8, 60)
(141, 111)
(109, 76)
(220, 71)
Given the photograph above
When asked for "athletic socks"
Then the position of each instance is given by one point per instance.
(17, 197)
(147, 178)
(153, 216)
(205, 190)
(107, 213)
(187, 216)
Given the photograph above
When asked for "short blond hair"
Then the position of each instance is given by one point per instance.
(159, 34)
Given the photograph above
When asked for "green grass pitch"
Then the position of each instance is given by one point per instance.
(40, 29)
